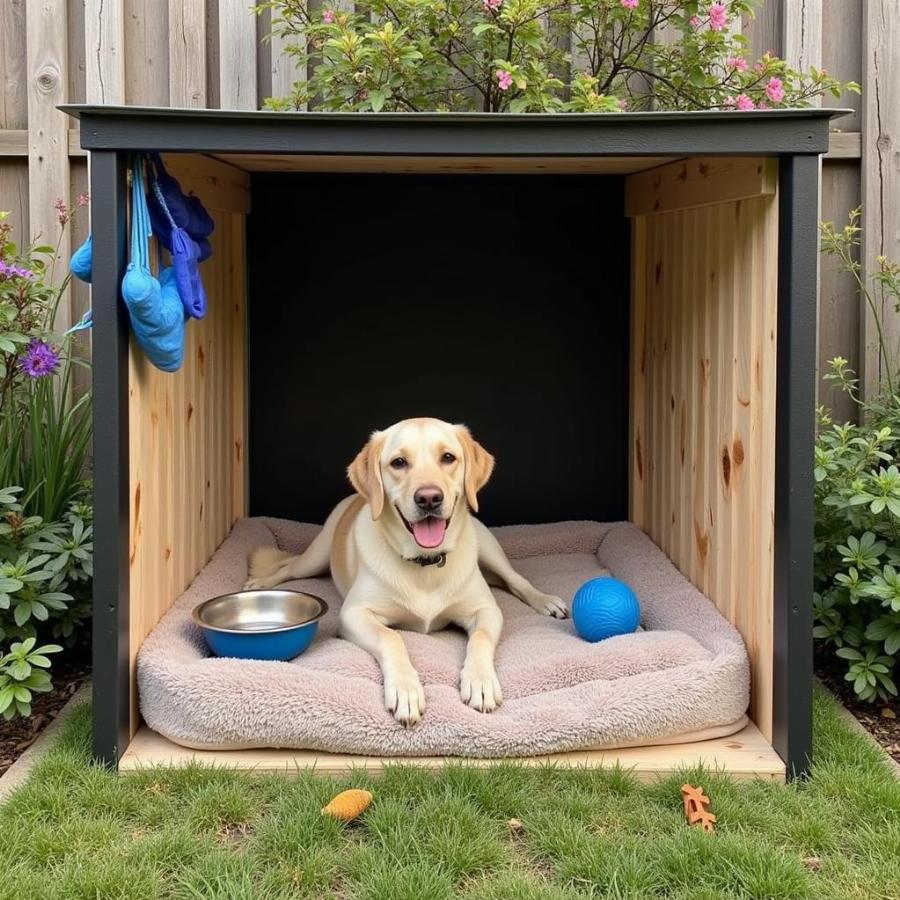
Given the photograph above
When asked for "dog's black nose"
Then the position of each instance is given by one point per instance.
(428, 498)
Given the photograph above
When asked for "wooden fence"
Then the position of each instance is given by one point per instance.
(209, 53)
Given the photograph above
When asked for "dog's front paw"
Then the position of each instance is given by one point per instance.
(404, 696)
(548, 605)
(480, 689)
(257, 584)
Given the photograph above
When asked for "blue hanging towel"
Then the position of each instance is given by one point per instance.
(81, 263)
(154, 307)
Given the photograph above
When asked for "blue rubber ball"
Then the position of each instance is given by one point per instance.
(605, 607)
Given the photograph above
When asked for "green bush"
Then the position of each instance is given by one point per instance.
(508, 56)
(857, 476)
(22, 674)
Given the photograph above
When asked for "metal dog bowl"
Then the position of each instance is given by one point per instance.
(260, 624)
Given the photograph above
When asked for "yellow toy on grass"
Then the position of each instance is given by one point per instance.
(347, 805)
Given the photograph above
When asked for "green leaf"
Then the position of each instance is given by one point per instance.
(376, 98)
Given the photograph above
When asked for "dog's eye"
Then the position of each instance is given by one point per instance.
(398, 463)
(448, 458)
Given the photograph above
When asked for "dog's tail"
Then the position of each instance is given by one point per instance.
(315, 560)
(265, 561)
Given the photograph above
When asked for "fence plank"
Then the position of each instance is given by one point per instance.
(146, 53)
(237, 55)
(802, 24)
(104, 36)
(187, 53)
(881, 170)
(48, 143)
(285, 69)
(14, 97)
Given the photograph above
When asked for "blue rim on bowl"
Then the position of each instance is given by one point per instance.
(274, 624)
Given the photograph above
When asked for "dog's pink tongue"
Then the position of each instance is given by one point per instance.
(429, 532)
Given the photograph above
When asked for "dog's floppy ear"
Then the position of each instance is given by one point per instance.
(365, 473)
(479, 465)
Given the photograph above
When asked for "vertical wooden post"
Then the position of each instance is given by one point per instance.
(112, 686)
(880, 176)
(48, 130)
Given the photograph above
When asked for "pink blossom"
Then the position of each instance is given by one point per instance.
(493, 5)
(744, 103)
(762, 105)
(623, 104)
(695, 22)
(629, 4)
(328, 16)
(775, 90)
(738, 63)
(504, 80)
(718, 16)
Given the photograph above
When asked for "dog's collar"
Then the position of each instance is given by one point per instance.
(439, 560)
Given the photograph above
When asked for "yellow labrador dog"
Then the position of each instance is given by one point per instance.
(406, 552)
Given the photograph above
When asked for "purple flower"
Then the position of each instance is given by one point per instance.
(8, 271)
(39, 359)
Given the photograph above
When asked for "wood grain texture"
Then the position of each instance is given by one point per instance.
(146, 53)
(697, 182)
(104, 37)
(839, 307)
(187, 54)
(703, 369)
(745, 755)
(278, 162)
(48, 143)
(802, 24)
(842, 44)
(237, 55)
(182, 477)
(13, 65)
(881, 173)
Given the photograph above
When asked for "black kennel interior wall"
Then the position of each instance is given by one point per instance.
(497, 303)
(706, 321)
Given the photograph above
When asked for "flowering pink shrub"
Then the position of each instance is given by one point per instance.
(718, 17)
(448, 55)
(775, 90)
(504, 80)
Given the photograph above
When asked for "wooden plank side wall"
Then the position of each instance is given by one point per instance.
(703, 394)
(187, 465)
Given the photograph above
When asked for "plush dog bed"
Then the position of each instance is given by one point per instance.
(684, 677)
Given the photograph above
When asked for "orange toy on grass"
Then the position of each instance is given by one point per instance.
(696, 807)
(347, 805)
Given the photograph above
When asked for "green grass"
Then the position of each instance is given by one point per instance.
(77, 831)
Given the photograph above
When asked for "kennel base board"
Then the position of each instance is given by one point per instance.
(744, 756)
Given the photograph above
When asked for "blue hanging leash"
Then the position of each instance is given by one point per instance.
(154, 307)
(185, 261)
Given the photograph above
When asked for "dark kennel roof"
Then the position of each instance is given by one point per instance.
(769, 132)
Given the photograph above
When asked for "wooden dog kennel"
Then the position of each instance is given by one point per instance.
(682, 317)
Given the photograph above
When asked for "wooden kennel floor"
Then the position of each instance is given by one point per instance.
(744, 755)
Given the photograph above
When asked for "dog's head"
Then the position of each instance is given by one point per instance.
(422, 470)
